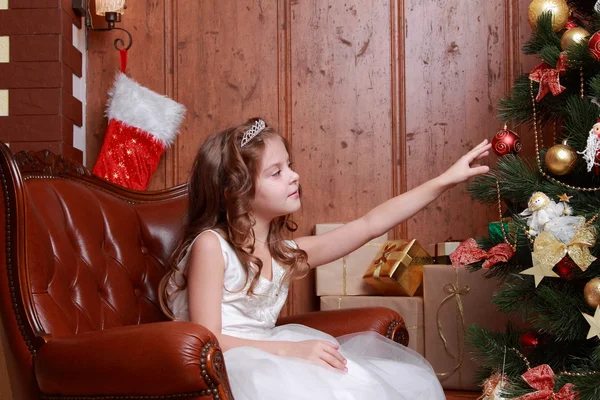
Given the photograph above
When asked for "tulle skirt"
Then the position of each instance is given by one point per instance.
(378, 368)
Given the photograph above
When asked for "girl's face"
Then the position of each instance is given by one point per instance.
(276, 184)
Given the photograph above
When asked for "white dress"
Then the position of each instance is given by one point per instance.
(378, 368)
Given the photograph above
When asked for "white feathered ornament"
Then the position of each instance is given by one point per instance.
(543, 214)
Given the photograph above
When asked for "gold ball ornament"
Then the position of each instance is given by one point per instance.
(573, 36)
(591, 292)
(558, 8)
(560, 159)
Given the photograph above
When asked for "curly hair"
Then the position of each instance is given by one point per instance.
(221, 189)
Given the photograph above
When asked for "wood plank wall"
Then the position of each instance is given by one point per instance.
(375, 96)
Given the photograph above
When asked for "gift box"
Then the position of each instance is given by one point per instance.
(441, 251)
(397, 269)
(410, 308)
(455, 299)
(343, 276)
(495, 231)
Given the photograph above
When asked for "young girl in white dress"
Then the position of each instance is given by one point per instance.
(232, 269)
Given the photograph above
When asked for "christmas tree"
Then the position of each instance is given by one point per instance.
(543, 248)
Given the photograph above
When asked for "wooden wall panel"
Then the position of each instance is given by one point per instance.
(375, 96)
(455, 75)
(226, 70)
(341, 91)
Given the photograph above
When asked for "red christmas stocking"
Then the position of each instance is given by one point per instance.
(142, 124)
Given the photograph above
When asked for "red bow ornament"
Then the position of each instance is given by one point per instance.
(469, 252)
(542, 379)
(548, 77)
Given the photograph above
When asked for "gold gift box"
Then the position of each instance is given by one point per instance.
(397, 269)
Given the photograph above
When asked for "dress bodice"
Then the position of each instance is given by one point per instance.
(242, 315)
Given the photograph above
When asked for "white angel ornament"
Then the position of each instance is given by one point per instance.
(543, 214)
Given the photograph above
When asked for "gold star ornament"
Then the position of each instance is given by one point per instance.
(564, 197)
(594, 323)
(540, 269)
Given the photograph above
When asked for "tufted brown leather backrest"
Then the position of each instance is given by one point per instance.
(95, 260)
(79, 254)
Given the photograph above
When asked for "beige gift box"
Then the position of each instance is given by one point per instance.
(454, 300)
(441, 251)
(343, 276)
(410, 308)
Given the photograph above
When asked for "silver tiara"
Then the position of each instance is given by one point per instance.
(253, 131)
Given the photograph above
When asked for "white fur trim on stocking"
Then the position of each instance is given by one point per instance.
(142, 108)
(591, 150)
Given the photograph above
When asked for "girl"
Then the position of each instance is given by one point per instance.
(232, 268)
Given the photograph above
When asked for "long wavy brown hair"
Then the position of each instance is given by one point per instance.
(221, 189)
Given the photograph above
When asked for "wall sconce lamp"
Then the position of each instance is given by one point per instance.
(111, 10)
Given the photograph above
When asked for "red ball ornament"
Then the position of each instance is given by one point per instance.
(572, 23)
(506, 142)
(594, 45)
(565, 268)
(529, 340)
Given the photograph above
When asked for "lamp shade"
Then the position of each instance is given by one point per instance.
(107, 6)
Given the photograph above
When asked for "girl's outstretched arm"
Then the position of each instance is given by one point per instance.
(332, 245)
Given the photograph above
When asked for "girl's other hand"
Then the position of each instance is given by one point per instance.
(320, 352)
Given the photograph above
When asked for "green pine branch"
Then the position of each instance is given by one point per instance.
(557, 309)
(594, 86)
(513, 174)
(542, 35)
(550, 54)
(587, 386)
(516, 297)
(491, 350)
(516, 108)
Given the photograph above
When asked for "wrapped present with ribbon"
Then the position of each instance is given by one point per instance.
(496, 230)
(397, 269)
(441, 251)
(343, 277)
(411, 309)
(454, 299)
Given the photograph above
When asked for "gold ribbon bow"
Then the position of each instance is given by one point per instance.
(381, 261)
(548, 251)
(345, 268)
(454, 291)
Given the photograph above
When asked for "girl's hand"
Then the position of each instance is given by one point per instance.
(318, 351)
(467, 166)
